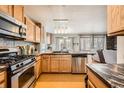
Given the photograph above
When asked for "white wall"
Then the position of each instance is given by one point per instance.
(120, 49)
(82, 18)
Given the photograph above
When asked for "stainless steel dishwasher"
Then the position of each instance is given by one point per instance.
(79, 63)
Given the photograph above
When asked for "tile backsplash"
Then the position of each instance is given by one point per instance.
(13, 43)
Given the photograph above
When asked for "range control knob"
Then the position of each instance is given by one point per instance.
(21, 64)
(17, 65)
(33, 59)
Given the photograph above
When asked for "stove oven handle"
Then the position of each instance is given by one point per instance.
(23, 69)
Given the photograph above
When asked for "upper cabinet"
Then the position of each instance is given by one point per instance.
(6, 9)
(18, 12)
(33, 32)
(30, 30)
(115, 18)
(37, 34)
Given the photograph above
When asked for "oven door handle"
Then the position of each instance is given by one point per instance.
(24, 69)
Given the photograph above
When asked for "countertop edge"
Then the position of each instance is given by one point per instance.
(100, 77)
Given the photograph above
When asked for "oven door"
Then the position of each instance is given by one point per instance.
(24, 78)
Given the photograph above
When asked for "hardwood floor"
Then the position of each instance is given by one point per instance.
(60, 81)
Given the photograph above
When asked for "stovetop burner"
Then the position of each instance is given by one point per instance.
(14, 59)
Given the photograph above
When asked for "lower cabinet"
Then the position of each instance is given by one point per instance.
(94, 81)
(90, 85)
(56, 63)
(38, 67)
(46, 63)
(65, 63)
(3, 79)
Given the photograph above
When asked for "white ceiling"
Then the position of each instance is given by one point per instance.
(82, 19)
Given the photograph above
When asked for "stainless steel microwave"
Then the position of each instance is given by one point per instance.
(10, 27)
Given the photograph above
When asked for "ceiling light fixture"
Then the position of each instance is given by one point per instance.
(61, 26)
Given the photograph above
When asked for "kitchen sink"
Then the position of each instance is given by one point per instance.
(60, 52)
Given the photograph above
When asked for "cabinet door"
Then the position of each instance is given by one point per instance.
(46, 63)
(65, 63)
(122, 17)
(55, 61)
(38, 34)
(36, 70)
(115, 18)
(18, 12)
(3, 79)
(6, 9)
(39, 67)
(30, 30)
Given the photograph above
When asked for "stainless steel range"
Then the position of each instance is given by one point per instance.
(20, 70)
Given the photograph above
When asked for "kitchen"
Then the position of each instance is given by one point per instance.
(61, 46)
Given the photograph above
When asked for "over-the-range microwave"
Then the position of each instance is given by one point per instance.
(11, 28)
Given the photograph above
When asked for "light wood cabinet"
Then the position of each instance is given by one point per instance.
(6, 9)
(46, 63)
(18, 12)
(94, 81)
(115, 18)
(37, 34)
(65, 63)
(3, 79)
(38, 66)
(90, 85)
(55, 63)
(30, 30)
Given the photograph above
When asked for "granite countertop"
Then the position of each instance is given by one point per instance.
(111, 74)
(70, 53)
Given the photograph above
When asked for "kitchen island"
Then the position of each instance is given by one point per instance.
(105, 75)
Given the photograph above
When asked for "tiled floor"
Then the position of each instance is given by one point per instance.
(60, 81)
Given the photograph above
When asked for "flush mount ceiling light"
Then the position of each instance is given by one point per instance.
(61, 26)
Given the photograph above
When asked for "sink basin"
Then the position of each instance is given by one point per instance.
(60, 52)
